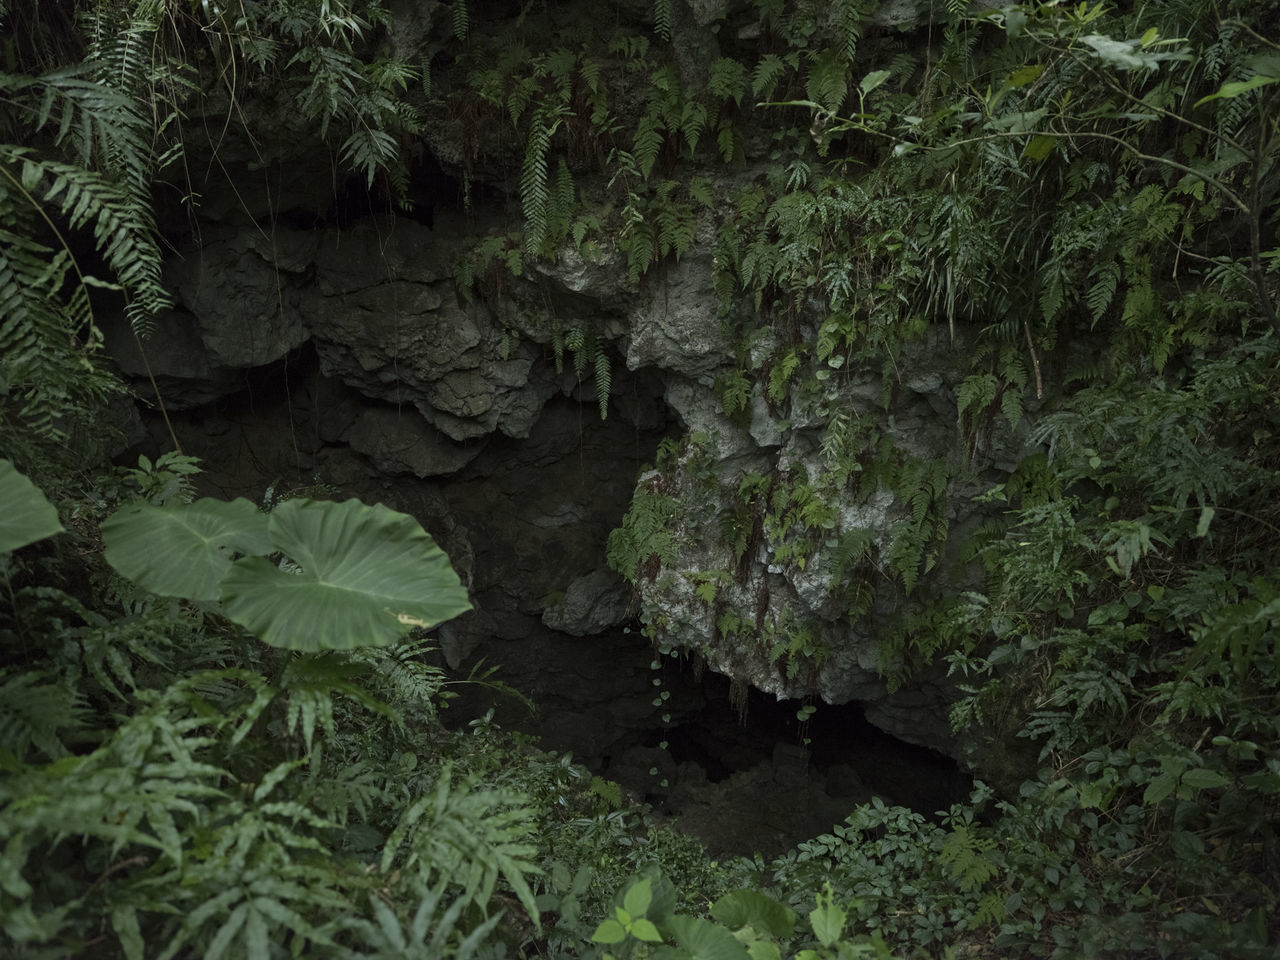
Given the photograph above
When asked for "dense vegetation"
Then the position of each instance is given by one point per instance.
(1083, 195)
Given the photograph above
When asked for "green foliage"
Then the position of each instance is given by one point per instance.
(26, 515)
(355, 575)
(646, 541)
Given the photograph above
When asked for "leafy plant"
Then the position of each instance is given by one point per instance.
(359, 575)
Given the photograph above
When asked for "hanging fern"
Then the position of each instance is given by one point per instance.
(604, 381)
(662, 19)
(534, 194)
(460, 17)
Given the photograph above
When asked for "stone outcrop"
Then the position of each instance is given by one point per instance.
(356, 342)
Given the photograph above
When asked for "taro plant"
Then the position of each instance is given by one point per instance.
(347, 574)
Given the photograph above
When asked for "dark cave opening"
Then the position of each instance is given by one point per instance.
(836, 744)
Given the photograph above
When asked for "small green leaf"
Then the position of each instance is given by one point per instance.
(1159, 788)
(1206, 517)
(1234, 89)
(638, 897)
(1028, 73)
(610, 931)
(1202, 778)
(873, 79)
(643, 929)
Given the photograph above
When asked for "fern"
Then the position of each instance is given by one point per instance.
(641, 249)
(34, 713)
(728, 80)
(604, 381)
(662, 19)
(534, 193)
(977, 391)
(734, 392)
(311, 680)
(469, 836)
(828, 81)
(646, 144)
(693, 121)
(460, 18)
(780, 375)
(767, 73)
(433, 931)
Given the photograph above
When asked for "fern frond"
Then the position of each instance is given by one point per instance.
(604, 381)
(767, 73)
(534, 193)
(122, 228)
(662, 19)
(36, 713)
(460, 17)
(470, 836)
(647, 143)
(728, 80)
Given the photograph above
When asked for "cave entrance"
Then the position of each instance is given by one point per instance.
(765, 784)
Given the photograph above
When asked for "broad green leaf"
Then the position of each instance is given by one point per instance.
(872, 80)
(1234, 89)
(1206, 517)
(752, 908)
(643, 929)
(610, 931)
(26, 515)
(1039, 146)
(367, 573)
(638, 897)
(1159, 788)
(183, 549)
(707, 941)
(827, 920)
(1202, 778)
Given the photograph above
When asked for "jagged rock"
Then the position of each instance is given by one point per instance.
(591, 604)
(388, 321)
(175, 355)
(675, 326)
(400, 441)
(247, 316)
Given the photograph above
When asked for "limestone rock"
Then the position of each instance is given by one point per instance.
(400, 441)
(591, 604)
(388, 321)
(247, 316)
(676, 325)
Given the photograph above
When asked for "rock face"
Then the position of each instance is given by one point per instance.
(787, 535)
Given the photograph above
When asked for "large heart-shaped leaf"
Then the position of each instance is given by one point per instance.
(25, 514)
(183, 549)
(367, 573)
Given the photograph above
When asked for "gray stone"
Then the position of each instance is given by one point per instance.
(247, 315)
(591, 604)
(175, 356)
(400, 441)
(676, 326)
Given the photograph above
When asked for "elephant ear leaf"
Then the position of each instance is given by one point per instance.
(25, 514)
(183, 549)
(364, 574)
